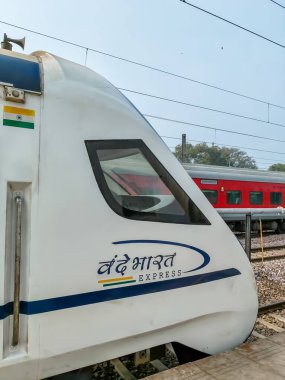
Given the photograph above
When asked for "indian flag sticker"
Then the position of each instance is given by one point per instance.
(18, 117)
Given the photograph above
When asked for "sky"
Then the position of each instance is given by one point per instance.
(174, 37)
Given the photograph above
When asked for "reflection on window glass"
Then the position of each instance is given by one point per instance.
(212, 195)
(276, 198)
(138, 182)
(256, 197)
(234, 197)
(131, 171)
(136, 185)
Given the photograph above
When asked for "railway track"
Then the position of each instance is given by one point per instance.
(271, 307)
(270, 320)
(126, 369)
(267, 258)
(268, 248)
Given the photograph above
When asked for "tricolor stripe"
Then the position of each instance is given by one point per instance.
(119, 283)
(18, 117)
(116, 281)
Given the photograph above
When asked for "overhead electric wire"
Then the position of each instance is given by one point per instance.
(234, 24)
(282, 6)
(212, 128)
(144, 65)
(202, 107)
(226, 145)
(174, 75)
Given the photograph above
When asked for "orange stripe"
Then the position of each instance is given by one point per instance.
(115, 279)
(17, 110)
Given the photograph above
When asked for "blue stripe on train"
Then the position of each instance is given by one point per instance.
(20, 73)
(66, 302)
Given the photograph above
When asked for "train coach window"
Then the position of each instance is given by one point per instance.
(211, 195)
(276, 198)
(136, 185)
(255, 197)
(234, 197)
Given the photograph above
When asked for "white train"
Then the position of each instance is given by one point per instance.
(93, 266)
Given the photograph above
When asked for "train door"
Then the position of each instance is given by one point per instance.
(2, 250)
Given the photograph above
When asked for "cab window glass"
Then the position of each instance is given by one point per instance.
(211, 195)
(256, 197)
(136, 185)
(234, 197)
(276, 198)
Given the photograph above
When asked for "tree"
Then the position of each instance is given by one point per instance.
(214, 155)
(277, 167)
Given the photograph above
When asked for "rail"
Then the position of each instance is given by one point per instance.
(271, 307)
(268, 248)
(267, 258)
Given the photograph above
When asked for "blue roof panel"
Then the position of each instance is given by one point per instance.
(21, 73)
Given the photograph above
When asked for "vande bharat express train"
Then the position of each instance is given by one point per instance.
(90, 269)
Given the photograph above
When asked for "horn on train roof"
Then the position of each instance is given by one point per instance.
(6, 43)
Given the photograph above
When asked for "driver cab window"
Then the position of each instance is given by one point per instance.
(136, 186)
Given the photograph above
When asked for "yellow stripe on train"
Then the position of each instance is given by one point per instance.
(115, 279)
(19, 111)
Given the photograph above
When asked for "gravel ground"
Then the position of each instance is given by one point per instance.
(270, 275)
(270, 280)
(266, 331)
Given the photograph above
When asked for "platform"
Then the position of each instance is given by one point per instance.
(263, 359)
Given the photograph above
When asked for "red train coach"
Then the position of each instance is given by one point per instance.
(230, 189)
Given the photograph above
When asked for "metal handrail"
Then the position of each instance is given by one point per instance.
(17, 270)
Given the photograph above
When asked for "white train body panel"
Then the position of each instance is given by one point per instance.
(204, 296)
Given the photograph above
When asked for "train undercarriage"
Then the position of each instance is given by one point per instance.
(277, 226)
